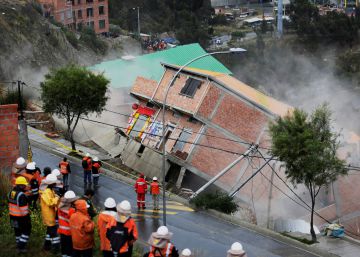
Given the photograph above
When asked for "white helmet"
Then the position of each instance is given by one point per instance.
(95, 159)
(186, 252)
(69, 195)
(87, 155)
(20, 161)
(236, 246)
(162, 231)
(56, 172)
(110, 203)
(50, 179)
(154, 178)
(31, 166)
(124, 207)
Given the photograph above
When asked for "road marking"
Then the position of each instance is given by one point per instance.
(173, 202)
(145, 215)
(179, 208)
(156, 211)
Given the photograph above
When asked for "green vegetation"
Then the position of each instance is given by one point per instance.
(71, 37)
(218, 201)
(302, 240)
(308, 148)
(90, 39)
(11, 97)
(318, 30)
(71, 92)
(187, 18)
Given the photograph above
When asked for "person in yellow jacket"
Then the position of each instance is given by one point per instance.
(48, 203)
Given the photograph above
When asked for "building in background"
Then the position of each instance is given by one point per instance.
(76, 14)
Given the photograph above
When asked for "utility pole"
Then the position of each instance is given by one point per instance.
(280, 19)
(270, 197)
(20, 101)
(138, 19)
(221, 173)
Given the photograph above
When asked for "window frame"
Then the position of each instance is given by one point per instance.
(187, 87)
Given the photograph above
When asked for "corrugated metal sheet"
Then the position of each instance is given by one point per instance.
(122, 73)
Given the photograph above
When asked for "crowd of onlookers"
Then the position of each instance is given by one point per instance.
(69, 219)
(154, 45)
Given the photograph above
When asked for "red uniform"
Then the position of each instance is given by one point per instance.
(140, 189)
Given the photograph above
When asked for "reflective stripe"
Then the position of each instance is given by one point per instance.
(96, 175)
(64, 227)
(63, 218)
(168, 249)
(25, 236)
(23, 240)
(140, 183)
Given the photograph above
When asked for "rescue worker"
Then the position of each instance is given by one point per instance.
(186, 253)
(96, 165)
(155, 191)
(160, 244)
(64, 167)
(48, 203)
(65, 210)
(82, 231)
(46, 171)
(17, 169)
(37, 174)
(140, 189)
(59, 188)
(33, 185)
(19, 213)
(86, 164)
(89, 193)
(106, 217)
(236, 250)
(122, 233)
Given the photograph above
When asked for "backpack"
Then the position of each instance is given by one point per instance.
(84, 163)
(118, 236)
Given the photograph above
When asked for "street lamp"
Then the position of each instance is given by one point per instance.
(231, 50)
(138, 26)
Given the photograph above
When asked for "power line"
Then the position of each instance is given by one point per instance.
(309, 207)
(199, 133)
(157, 122)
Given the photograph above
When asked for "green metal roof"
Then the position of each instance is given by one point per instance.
(122, 73)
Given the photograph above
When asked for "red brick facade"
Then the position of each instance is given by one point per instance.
(219, 119)
(179, 101)
(79, 13)
(9, 137)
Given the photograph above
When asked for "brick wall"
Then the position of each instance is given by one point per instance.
(188, 104)
(9, 138)
(143, 86)
(210, 100)
(240, 118)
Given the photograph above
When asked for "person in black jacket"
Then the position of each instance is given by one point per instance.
(89, 193)
(19, 213)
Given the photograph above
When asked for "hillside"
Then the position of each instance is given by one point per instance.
(187, 18)
(31, 44)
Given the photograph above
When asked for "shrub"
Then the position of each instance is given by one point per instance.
(71, 37)
(239, 34)
(218, 201)
(11, 97)
(89, 38)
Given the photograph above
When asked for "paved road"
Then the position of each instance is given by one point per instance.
(206, 235)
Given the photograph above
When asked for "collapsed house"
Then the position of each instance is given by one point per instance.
(211, 118)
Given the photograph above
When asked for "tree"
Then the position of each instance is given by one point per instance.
(308, 147)
(71, 92)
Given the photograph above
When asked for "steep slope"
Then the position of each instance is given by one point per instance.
(30, 44)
